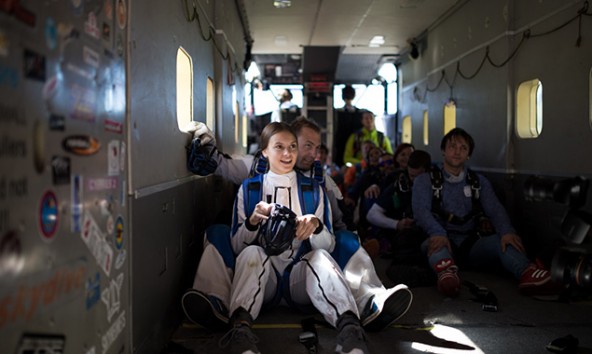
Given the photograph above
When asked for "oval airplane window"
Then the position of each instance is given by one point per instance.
(184, 89)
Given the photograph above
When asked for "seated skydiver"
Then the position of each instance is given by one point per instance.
(207, 301)
(281, 234)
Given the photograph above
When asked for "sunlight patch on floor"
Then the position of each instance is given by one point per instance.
(448, 334)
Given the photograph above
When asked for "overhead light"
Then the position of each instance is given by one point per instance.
(280, 41)
(282, 4)
(376, 41)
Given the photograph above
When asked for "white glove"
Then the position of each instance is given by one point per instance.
(201, 131)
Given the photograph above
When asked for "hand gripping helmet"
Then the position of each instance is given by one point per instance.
(277, 233)
(201, 159)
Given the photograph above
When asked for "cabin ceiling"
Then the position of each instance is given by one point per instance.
(346, 24)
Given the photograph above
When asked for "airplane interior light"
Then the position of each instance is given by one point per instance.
(282, 4)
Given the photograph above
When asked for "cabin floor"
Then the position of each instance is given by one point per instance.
(433, 324)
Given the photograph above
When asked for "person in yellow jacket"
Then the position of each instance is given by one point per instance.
(353, 146)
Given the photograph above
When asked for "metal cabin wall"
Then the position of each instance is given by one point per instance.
(487, 100)
(170, 206)
(64, 224)
(486, 103)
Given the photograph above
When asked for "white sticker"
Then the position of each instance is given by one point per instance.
(467, 191)
(113, 158)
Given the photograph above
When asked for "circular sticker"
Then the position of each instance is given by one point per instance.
(119, 232)
(48, 215)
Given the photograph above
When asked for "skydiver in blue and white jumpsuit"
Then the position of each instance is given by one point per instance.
(216, 270)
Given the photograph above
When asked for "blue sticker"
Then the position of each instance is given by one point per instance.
(93, 290)
(77, 206)
(48, 215)
(51, 33)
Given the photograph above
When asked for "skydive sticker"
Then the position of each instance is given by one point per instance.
(119, 232)
(48, 215)
(81, 144)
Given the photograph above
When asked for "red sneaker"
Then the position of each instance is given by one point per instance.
(536, 280)
(448, 280)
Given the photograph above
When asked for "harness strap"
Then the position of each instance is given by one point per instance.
(472, 179)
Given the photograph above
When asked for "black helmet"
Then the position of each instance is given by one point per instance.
(277, 233)
(201, 159)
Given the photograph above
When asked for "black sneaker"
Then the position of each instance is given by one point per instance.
(384, 309)
(351, 339)
(206, 311)
(241, 340)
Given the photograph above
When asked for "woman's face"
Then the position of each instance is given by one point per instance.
(403, 157)
(374, 156)
(281, 152)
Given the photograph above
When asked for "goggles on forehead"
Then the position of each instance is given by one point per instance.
(386, 163)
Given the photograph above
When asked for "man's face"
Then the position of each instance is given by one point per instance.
(456, 152)
(309, 144)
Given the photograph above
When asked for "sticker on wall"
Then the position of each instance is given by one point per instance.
(48, 215)
(90, 26)
(120, 259)
(119, 232)
(34, 65)
(113, 158)
(9, 76)
(11, 259)
(16, 9)
(96, 243)
(60, 170)
(101, 184)
(39, 146)
(57, 122)
(76, 204)
(110, 224)
(90, 57)
(122, 156)
(113, 126)
(93, 290)
(106, 33)
(121, 14)
(108, 7)
(111, 296)
(78, 7)
(106, 206)
(113, 332)
(81, 145)
(41, 343)
(4, 44)
(51, 33)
